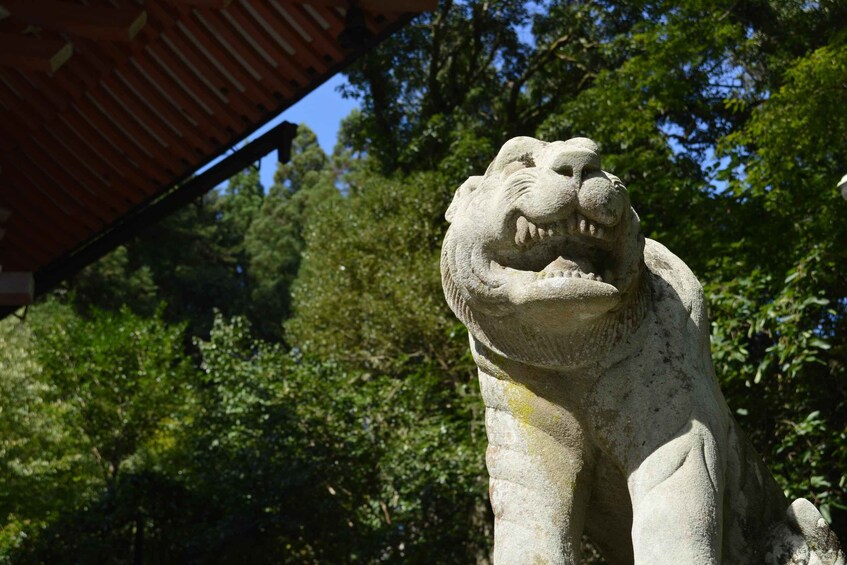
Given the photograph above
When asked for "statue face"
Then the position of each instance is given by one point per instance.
(545, 239)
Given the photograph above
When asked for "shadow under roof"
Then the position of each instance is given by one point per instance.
(108, 105)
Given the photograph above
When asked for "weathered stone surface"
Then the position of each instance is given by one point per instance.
(603, 412)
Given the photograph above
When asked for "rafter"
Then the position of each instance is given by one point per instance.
(95, 22)
(279, 138)
(33, 54)
(213, 4)
(375, 5)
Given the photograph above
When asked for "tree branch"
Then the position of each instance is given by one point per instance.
(537, 61)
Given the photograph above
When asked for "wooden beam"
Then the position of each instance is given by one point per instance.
(16, 288)
(213, 4)
(151, 212)
(31, 54)
(95, 22)
(376, 5)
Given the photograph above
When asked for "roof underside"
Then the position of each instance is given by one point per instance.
(109, 104)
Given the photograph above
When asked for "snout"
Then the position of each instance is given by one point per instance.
(543, 196)
(566, 179)
(602, 199)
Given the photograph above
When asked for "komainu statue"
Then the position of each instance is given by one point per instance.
(603, 413)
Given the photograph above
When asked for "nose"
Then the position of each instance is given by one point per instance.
(573, 158)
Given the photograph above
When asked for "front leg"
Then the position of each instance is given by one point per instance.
(539, 482)
(676, 495)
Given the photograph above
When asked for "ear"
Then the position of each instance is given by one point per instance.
(461, 197)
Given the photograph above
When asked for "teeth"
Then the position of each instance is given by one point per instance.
(522, 232)
(526, 232)
(573, 273)
(581, 224)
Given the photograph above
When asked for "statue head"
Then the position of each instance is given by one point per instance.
(544, 252)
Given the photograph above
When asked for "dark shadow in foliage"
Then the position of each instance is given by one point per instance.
(146, 519)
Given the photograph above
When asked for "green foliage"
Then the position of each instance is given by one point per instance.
(239, 203)
(113, 282)
(326, 465)
(369, 290)
(122, 376)
(81, 415)
(194, 261)
(274, 241)
(197, 262)
(455, 84)
(786, 344)
(134, 432)
(41, 466)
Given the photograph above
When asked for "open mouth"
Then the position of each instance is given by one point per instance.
(575, 247)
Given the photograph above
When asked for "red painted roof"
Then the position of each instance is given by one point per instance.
(124, 120)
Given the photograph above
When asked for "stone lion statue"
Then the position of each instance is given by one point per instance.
(603, 413)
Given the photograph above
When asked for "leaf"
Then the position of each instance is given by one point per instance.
(819, 343)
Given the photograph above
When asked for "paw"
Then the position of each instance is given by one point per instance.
(803, 539)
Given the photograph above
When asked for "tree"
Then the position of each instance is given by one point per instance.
(122, 376)
(365, 441)
(197, 255)
(720, 118)
(274, 241)
(114, 281)
(193, 261)
(370, 295)
(782, 302)
(96, 398)
(299, 459)
(40, 467)
(369, 300)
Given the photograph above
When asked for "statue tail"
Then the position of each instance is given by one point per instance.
(804, 538)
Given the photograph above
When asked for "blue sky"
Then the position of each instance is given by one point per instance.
(322, 110)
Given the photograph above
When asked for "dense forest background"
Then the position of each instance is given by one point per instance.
(271, 374)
